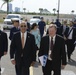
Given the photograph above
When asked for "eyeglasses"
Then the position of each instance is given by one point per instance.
(23, 26)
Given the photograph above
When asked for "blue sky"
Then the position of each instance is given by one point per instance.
(33, 5)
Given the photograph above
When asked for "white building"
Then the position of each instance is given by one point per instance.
(17, 9)
(10, 7)
(45, 11)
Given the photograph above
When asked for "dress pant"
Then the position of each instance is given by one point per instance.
(0, 66)
(47, 70)
(21, 69)
(70, 47)
(16, 69)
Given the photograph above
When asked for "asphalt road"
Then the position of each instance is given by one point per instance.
(8, 68)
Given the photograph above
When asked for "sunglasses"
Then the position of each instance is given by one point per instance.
(23, 26)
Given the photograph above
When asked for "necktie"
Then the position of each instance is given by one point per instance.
(22, 40)
(51, 47)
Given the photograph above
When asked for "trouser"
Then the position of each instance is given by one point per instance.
(47, 70)
(0, 66)
(21, 69)
(70, 47)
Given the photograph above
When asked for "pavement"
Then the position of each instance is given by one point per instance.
(8, 68)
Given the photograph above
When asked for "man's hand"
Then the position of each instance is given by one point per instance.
(65, 38)
(13, 62)
(32, 64)
(63, 66)
(5, 53)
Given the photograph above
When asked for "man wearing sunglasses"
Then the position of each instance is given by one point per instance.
(23, 48)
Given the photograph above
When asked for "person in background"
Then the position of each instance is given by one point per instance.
(74, 25)
(63, 28)
(15, 29)
(42, 26)
(70, 35)
(36, 33)
(58, 24)
(53, 46)
(28, 25)
(3, 45)
(22, 50)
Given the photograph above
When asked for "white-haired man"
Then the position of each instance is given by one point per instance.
(53, 46)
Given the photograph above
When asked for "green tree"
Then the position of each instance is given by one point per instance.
(24, 10)
(4, 2)
(54, 10)
(40, 9)
(72, 11)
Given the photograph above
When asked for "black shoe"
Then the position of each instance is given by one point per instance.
(69, 60)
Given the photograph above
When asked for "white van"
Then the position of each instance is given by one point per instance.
(7, 21)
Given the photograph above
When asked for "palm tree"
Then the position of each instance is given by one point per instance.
(24, 10)
(40, 9)
(72, 11)
(6, 1)
(54, 10)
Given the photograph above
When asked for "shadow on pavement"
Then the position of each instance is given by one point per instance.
(72, 62)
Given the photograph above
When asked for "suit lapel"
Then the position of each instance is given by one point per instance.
(27, 38)
(20, 40)
(48, 43)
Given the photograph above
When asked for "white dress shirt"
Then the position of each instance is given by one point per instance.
(70, 35)
(49, 53)
(25, 35)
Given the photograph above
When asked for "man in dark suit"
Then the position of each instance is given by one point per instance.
(3, 44)
(53, 46)
(15, 29)
(23, 48)
(70, 35)
(63, 28)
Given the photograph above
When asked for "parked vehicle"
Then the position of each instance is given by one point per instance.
(8, 22)
(34, 20)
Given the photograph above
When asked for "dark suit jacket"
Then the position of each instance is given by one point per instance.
(12, 31)
(58, 53)
(29, 52)
(3, 43)
(73, 35)
(61, 30)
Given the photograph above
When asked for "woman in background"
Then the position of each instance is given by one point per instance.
(36, 33)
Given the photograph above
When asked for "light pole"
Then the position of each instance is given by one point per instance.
(58, 9)
(22, 5)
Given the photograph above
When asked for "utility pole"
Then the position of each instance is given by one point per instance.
(58, 9)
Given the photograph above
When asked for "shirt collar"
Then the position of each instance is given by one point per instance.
(53, 37)
(24, 34)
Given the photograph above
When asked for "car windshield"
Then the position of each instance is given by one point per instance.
(11, 16)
